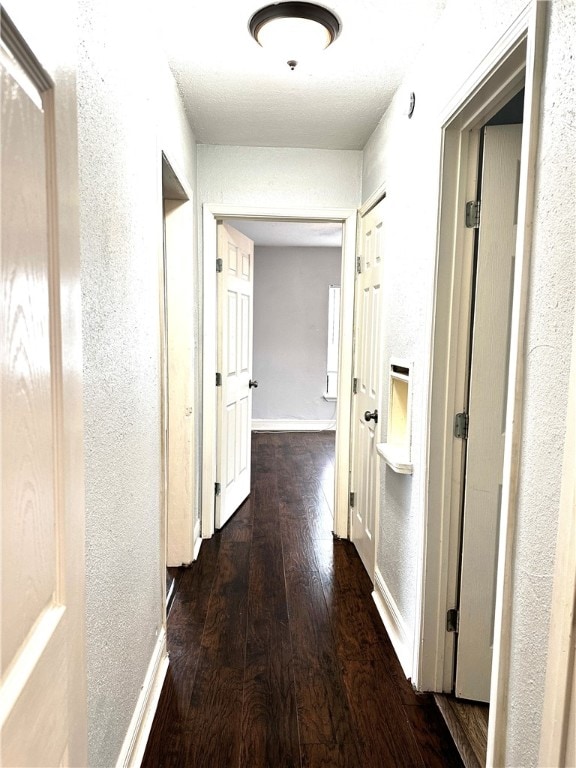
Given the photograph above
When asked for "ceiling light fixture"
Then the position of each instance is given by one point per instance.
(294, 29)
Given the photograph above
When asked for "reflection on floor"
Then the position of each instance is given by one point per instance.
(278, 657)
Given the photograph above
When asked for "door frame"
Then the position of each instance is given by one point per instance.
(516, 59)
(182, 528)
(345, 216)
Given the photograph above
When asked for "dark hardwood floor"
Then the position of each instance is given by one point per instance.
(278, 657)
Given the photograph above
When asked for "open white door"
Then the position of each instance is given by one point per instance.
(367, 374)
(42, 690)
(487, 409)
(183, 526)
(234, 400)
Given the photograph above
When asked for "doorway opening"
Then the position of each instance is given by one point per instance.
(182, 532)
(297, 272)
(346, 219)
(483, 420)
(278, 319)
(514, 64)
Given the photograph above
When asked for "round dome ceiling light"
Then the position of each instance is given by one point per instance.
(294, 29)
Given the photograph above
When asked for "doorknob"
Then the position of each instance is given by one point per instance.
(371, 416)
(253, 384)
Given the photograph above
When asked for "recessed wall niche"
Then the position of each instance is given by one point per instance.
(396, 451)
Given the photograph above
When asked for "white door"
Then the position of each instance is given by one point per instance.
(42, 689)
(182, 529)
(234, 365)
(487, 408)
(367, 372)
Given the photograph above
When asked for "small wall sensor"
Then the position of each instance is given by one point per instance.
(292, 64)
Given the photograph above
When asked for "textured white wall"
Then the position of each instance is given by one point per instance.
(291, 331)
(279, 177)
(405, 155)
(128, 113)
(547, 360)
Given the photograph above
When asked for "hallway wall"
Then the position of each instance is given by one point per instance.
(291, 331)
(279, 177)
(405, 154)
(129, 111)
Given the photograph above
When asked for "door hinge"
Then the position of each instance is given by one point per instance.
(473, 214)
(452, 620)
(358, 265)
(218, 379)
(352, 498)
(219, 265)
(354, 386)
(217, 489)
(461, 423)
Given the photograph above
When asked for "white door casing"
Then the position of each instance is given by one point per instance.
(515, 61)
(42, 693)
(365, 483)
(487, 408)
(347, 217)
(234, 400)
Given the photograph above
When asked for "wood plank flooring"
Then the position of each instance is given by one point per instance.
(278, 658)
(467, 722)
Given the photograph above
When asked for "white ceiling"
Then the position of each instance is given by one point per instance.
(289, 233)
(236, 93)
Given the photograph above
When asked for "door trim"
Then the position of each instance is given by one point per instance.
(515, 59)
(346, 216)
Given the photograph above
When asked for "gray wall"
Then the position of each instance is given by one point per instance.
(291, 331)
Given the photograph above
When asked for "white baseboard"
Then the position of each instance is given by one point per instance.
(136, 738)
(197, 540)
(293, 425)
(393, 623)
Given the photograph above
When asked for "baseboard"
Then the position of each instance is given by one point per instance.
(136, 738)
(293, 425)
(393, 623)
(197, 539)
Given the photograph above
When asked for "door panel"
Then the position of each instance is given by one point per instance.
(234, 402)
(42, 705)
(487, 409)
(367, 371)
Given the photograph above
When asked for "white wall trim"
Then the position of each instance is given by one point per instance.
(393, 623)
(373, 200)
(197, 540)
(293, 425)
(136, 738)
(347, 216)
